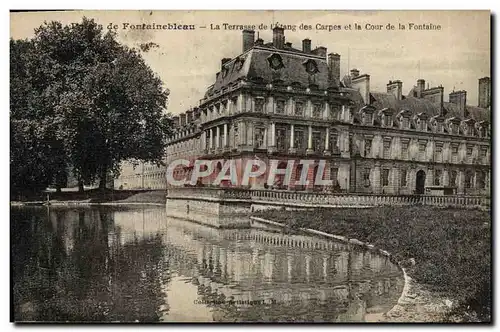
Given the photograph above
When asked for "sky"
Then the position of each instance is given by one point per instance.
(455, 56)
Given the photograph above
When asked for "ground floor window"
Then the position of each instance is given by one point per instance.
(481, 180)
(453, 178)
(334, 171)
(469, 178)
(403, 178)
(385, 177)
(437, 177)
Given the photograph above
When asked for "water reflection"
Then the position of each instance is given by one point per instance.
(110, 264)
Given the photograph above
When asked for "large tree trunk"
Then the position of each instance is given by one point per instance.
(103, 178)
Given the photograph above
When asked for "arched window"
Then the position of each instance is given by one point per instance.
(469, 179)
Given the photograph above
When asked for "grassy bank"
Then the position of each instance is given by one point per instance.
(451, 247)
(103, 196)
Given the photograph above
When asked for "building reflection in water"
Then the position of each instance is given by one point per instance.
(110, 264)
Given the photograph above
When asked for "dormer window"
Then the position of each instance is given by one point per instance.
(299, 108)
(367, 119)
(311, 66)
(404, 122)
(387, 120)
(259, 104)
(317, 110)
(275, 61)
(454, 128)
(334, 112)
(471, 130)
(280, 107)
(238, 64)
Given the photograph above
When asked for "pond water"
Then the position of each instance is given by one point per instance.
(114, 264)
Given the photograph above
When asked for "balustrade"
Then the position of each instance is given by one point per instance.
(336, 199)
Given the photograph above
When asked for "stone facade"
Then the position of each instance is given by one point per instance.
(139, 175)
(277, 102)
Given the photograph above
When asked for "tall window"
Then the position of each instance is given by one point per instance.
(468, 152)
(385, 177)
(280, 106)
(438, 154)
(404, 149)
(403, 177)
(298, 139)
(334, 172)
(469, 179)
(299, 108)
(234, 105)
(259, 138)
(259, 105)
(334, 112)
(317, 141)
(453, 178)
(387, 149)
(454, 153)
(481, 180)
(437, 177)
(366, 177)
(368, 147)
(236, 140)
(421, 150)
(281, 138)
(333, 142)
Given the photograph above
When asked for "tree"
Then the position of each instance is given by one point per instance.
(101, 101)
(37, 158)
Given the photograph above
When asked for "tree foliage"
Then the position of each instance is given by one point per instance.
(90, 103)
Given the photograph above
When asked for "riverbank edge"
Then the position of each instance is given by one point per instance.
(415, 304)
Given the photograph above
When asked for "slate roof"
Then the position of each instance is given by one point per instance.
(256, 68)
(415, 105)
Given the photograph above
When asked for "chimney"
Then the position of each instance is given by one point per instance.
(484, 92)
(306, 45)
(248, 39)
(420, 87)
(459, 98)
(334, 67)
(182, 121)
(288, 44)
(278, 37)
(362, 84)
(320, 50)
(259, 42)
(176, 119)
(189, 116)
(396, 88)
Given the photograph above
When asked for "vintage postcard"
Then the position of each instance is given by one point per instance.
(250, 166)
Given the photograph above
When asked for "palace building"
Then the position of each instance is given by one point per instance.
(276, 101)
